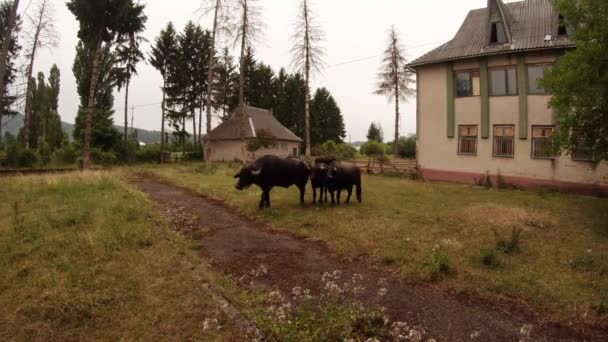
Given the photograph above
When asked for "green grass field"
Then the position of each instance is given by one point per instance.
(561, 266)
(85, 257)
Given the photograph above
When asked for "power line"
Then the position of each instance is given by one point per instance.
(27, 7)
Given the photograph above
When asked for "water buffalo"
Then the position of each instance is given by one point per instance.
(325, 160)
(270, 171)
(318, 180)
(343, 176)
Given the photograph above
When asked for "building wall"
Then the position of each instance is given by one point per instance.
(230, 150)
(438, 155)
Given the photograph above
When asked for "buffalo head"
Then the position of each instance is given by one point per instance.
(247, 176)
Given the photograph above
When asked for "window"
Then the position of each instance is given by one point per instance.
(503, 81)
(504, 141)
(541, 142)
(536, 72)
(284, 146)
(562, 28)
(498, 36)
(581, 152)
(295, 151)
(467, 83)
(467, 140)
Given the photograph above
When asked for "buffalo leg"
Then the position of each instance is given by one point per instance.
(302, 192)
(339, 195)
(350, 192)
(333, 201)
(314, 195)
(263, 200)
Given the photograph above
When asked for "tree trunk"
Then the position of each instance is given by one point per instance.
(126, 137)
(184, 139)
(240, 110)
(4, 54)
(396, 72)
(200, 127)
(86, 148)
(210, 81)
(193, 111)
(307, 88)
(162, 127)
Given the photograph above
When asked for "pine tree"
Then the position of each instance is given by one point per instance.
(7, 99)
(327, 120)
(395, 79)
(128, 54)
(225, 88)
(163, 53)
(375, 133)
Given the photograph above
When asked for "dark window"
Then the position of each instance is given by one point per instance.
(503, 81)
(467, 140)
(295, 151)
(562, 29)
(498, 36)
(541, 142)
(504, 141)
(467, 83)
(535, 73)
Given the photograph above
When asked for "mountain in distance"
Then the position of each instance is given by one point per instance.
(14, 125)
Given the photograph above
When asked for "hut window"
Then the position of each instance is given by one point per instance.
(503, 81)
(562, 29)
(541, 142)
(498, 36)
(467, 140)
(467, 83)
(504, 141)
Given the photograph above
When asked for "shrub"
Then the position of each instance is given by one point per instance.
(67, 154)
(489, 258)
(44, 152)
(18, 156)
(509, 245)
(438, 264)
(345, 151)
(330, 148)
(582, 262)
(149, 154)
(103, 158)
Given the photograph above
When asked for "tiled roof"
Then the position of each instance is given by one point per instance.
(531, 23)
(252, 120)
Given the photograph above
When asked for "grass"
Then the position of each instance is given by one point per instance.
(84, 257)
(402, 221)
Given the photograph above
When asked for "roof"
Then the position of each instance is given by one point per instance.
(252, 120)
(529, 23)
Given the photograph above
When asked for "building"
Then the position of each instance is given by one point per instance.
(224, 143)
(481, 111)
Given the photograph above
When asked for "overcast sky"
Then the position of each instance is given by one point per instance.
(355, 30)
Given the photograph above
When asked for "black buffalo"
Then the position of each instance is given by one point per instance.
(343, 176)
(318, 180)
(270, 171)
(325, 160)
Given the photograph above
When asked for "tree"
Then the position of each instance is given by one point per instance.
(260, 87)
(45, 132)
(394, 78)
(307, 57)
(9, 23)
(225, 99)
(103, 133)
(374, 150)
(8, 70)
(327, 120)
(289, 108)
(103, 21)
(263, 140)
(41, 34)
(578, 81)
(128, 54)
(222, 17)
(375, 133)
(163, 53)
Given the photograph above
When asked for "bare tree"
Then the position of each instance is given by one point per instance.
(222, 25)
(6, 35)
(395, 78)
(249, 30)
(129, 55)
(41, 34)
(307, 55)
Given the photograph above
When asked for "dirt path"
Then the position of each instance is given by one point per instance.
(236, 245)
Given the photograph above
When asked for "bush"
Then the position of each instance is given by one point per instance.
(103, 158)
(406, 147)
(438, 264)
(330, 148)
(18, 156)
(44, 152)
(373, 149)
(489, 258)
(149, 154)
(67, 154)
(509, 245)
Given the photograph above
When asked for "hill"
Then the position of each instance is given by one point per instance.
(14, 124)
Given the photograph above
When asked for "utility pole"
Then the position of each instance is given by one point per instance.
(132, 115)
(6, 39)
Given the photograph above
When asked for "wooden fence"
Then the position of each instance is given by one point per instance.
(399, 167)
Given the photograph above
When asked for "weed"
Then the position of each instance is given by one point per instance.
(438, 264)
(489, 258)
(488, 181)
(509, 245)
(582, 262)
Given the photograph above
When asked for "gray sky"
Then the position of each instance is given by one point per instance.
(355, 29)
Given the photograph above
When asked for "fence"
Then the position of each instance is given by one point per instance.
(401, 167)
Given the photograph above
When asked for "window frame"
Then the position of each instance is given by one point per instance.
(591, 159)
(533, 138)
(470, 72)
(545, 66)
(494, 136)
(504, 69)
(459, 152)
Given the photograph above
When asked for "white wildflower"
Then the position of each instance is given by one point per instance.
(210, 323)
(416, 335)
(357, 277)
(358, 290)
(333, 288)
(372, 340)
(382, 282)
(326, 277)
(382, 292)
(296, 292)
(276, 296)
(526, 330)
(337, 274)
(475, 335)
